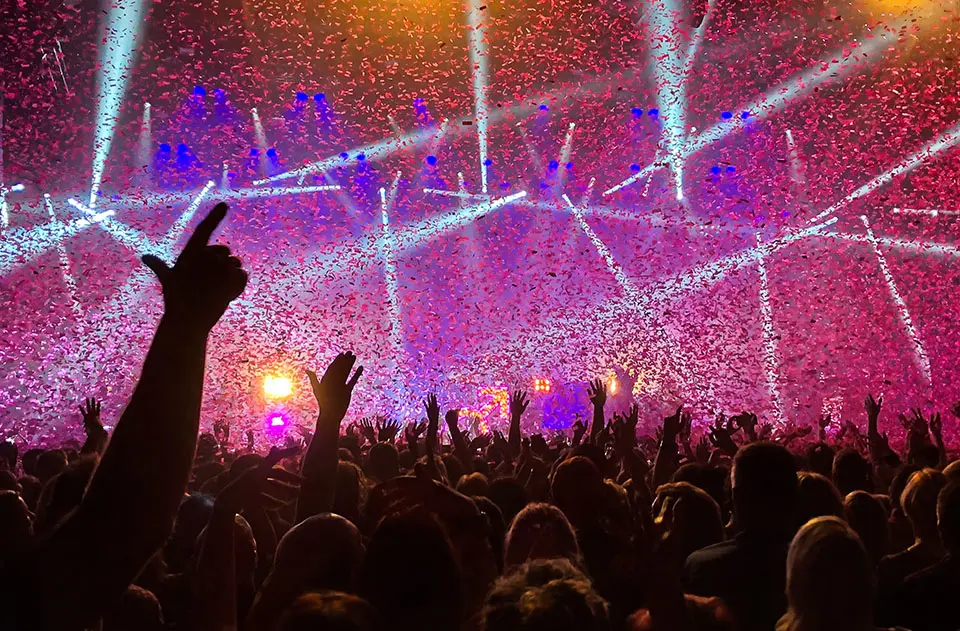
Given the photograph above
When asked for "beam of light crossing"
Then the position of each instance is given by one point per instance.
(797, 173)
(277, 191)
(627, 285)
(923, 361)
(932, 212)
(824, 72)
(771, 354)
(388, 254)
(262, 142)
(373, 151)
(694, 47)
(566, 150)
(477, 47)
(21, 246)
(130, 238)
(915, 247)
(145, 139)
(65, 271)
(165, 246)
(944, 142)
(664, 18)
(118, 50)
(462, 194)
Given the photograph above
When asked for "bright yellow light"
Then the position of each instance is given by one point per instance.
(612, 385)
(541, 385)
(898, 7)
(277, 387)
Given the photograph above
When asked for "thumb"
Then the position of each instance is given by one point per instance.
(157, 266)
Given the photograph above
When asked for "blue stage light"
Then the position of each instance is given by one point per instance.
(554, 165)
(715, 170)
(634, 167)
(637, 112)
(432, 160)
(198, 90)
(301, 96)
(254, 152)
(731, 169)
(361, 157)
(164, 148)
(744, 115)
(271, 153)
(544, 108)
(319, 96)
(569, 165)
(487, 162)
(654, 112)
(220, 95)
(344, 155)
(726, 115)
(182, 148)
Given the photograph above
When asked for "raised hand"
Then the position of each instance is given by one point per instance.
(747, 421)
(452, 417)
(598, 392)
(721, 435)
(482, 441)
(368, 431)
(221, 430)
(822, 424)
(672, 425)
(702, 451)
(204, 279)
(414, 431)
(518, 403)
(433, 408)
(579, 429)
(936, 427)
(90, 412)
(387, 431)
(872, 407)
(334, 390)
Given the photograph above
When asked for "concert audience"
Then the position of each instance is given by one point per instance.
(374, 526)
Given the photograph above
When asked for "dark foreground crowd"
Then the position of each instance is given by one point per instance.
(374, 527)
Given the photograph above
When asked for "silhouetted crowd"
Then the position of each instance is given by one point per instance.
(372, 526)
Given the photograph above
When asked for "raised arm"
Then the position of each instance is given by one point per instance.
(96, 440)
(518, 405)
(129, 507)
(460, 447)
(319, 469)
(598, 397)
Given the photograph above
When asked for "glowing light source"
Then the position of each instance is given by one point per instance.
(541, 385)
(117, 53)
(277, 387)
(664, 17)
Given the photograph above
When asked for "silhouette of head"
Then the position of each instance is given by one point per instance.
(764, 486)
(816, 497)
(868, 518)
(919, 501)
(540, 531)
(329, 611)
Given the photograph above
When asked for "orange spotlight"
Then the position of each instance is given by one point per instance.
(277, 387)
(541, 385)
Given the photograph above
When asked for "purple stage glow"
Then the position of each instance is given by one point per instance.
(759, 212)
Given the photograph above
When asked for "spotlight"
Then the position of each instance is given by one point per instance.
(361, 157)
(715, 170)
(146, 105)
(654, 112)
(544, 108)
(637, 112)
(16, 188)
(199, 90)
(612, 385)
(182, 149)
(541, 385)
(344, 155)
(277, 387)
(301, 96)
(219, 95)
(319, 96)
(277, 420)
(164, 148)
(726, 115)
(254, 152)
(487, 162)
(634, 167)
(432, 160)
(569, 165)
(731, 169)
(271, 152)
(744, 115)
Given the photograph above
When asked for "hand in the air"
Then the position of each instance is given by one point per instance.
(334, 390)
(204, 279)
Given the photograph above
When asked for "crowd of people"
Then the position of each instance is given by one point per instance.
(376, 526)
